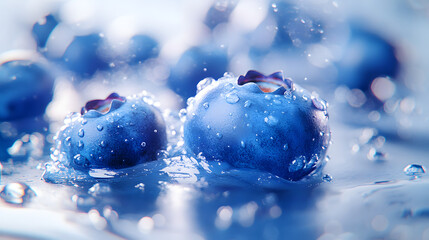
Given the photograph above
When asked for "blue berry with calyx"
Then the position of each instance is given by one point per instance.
(116, 132)
(260, 122)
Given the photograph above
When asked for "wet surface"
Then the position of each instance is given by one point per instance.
(373, 186)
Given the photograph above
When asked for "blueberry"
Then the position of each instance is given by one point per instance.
(259, 122)
(194, 65)
(85, 55)
(288, 26)
(25, 89)
(116, 132)
(42, 29)
(366, 56)
(219, 13)
(141, 48)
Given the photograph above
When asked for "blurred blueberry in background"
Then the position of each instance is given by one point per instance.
(84, 56)
(42, 29)
(368, 60)
(219, 12)
(141, 48)
(26, 89)
(194, 65)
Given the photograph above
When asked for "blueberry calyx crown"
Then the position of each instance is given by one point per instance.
(103, 106)
(267, 84)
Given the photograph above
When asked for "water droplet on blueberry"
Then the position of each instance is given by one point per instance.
(270, 120)
(100, 127)
(81, 133)
(232, 98)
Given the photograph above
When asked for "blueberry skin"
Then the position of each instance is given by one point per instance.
(25, 89)
(84, 55)
(366, 57)
(130, 133)
(41, 31)
(141, 48)
(268, 131)
(194, 65)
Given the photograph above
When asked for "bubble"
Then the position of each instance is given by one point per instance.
(100, 128)
(270, 120)
(102, 144)
(242, 144)
(414, 170)
(232, 98)
(16, 193)
(219, 135)
(143, 144)
(81, 133)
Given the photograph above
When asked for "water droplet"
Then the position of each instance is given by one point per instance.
(242, 144)
(100, 127)
(285, 147)
(327, 178)
(267, 97)
(182, 114)
(247, 103)
(99, 188)
(80, 144)
(83, 121)
(190, 101)
(297, 164)
(208, 127)
(319, 103)
(270, 120)
(204, 83)
(376, 155)
(143, 144)
(206, 105)
(102, 144)
(277, 102)
(81, 133)
(16, 193)
(232, 98)
(219, 135)
(287, 94)
(414, 170)
(79, 160)
(68, 140)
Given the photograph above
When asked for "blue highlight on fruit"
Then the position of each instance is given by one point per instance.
(113, 133)
(283, 131)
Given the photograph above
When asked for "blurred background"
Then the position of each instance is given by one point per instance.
(368, 59)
